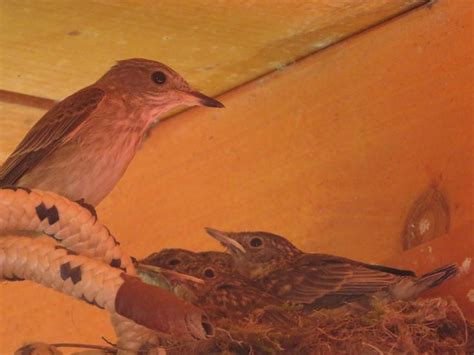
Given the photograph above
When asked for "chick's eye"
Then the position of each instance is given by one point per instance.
(209, 273)
(159, 77)
(173, 262)
(256, 242)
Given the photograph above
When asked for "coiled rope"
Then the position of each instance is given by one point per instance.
(85, 261)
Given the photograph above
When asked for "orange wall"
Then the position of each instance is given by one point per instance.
(330, 151)
(457, 247)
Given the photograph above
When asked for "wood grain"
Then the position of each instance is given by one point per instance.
(51, 48)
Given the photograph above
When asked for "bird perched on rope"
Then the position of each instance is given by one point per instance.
(321, 281)
(83, 145)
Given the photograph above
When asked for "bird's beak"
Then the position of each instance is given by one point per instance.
(225, 240)
(202, 100)
(169, 274)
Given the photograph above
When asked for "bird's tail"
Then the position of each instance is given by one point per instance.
(436, 277)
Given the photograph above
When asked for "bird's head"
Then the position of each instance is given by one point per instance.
(256, 253)
(223, 262)
(154, 84)
(173, 259)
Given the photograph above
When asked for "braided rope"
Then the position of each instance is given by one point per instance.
(74, 226)
(102, 284)
(58, 268)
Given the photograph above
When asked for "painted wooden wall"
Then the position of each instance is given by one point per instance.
(331, 151)
(50, 48)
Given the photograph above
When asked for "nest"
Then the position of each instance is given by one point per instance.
(434, 326)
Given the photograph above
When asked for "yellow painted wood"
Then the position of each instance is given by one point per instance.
(51, 48)
(15, 121)
(330, 151)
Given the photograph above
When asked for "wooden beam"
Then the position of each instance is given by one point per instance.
(52, 48)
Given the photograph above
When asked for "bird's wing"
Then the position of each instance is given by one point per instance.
(337, 259)
(49, 133)
(318, 279)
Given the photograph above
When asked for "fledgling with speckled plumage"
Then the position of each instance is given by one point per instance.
(82, 146)
(279, 268)
(223, 293)
(189, 262)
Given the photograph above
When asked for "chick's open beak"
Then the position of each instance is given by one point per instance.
(203, 100)
(222, 237)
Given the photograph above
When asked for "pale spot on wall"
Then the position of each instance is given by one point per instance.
(466, 267)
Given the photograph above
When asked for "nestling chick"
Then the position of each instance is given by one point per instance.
(319, 280)
(223, 293)
(189, 262)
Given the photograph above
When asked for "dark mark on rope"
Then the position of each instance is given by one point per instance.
(110, 234)
(68, 272)
(69, 251)
(93, 302)
(53, 235)
(88, 207)
(115, 263)
(15, 188)
(51, 213)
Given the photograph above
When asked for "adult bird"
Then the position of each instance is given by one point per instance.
(82, 146)
(320, 280)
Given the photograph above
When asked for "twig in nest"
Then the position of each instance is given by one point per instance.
(331, 336)
(466, 330)
(107, 349)
(373, 347)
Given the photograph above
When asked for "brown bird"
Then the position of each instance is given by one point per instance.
(319, 280)
(226, 294)
(176, 259)
(223, 293)
(83, 145)
(189, 262)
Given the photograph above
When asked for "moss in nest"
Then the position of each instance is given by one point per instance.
(434, 326)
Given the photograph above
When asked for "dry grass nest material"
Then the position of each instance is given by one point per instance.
(434, 326)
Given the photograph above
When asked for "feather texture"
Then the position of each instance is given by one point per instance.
(53, 130)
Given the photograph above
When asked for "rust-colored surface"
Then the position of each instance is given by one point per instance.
(159, 310)
(458, 247)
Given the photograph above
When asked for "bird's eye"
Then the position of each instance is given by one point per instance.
(256, 242)
(159, 77)
(209, 273)
(174, 262)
